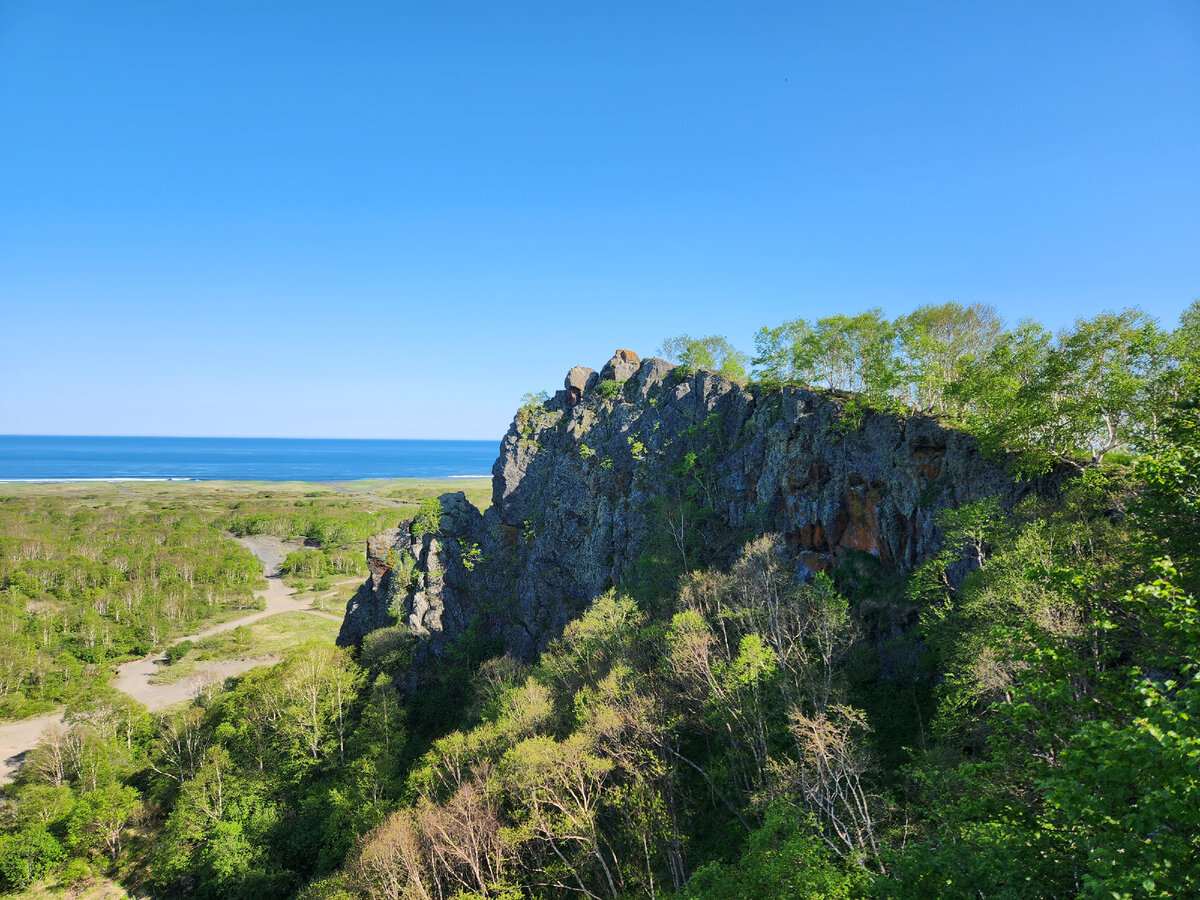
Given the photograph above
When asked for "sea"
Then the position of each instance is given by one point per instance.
(73, 458)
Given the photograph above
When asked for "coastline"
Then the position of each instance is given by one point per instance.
(67, 459)
(138, 478)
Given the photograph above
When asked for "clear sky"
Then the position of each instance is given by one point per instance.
(393, 219)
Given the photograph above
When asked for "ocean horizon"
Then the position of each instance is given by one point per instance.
(42, 458)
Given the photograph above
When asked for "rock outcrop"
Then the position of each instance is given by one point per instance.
(368, 609)
(604, 485)
(578, 380)
(621, 367)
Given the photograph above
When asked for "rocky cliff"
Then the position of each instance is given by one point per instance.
(645, 469)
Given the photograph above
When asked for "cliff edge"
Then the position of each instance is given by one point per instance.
(646, 469)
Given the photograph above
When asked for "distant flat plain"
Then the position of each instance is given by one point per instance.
(293, 609)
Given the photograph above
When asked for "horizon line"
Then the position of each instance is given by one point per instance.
(244, 437)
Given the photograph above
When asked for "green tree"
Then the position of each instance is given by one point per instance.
(784, 858)
(713, 352)
(101, 817)
(428, 518)
(1073, 400)
(1006, 400)
(856, 354)
(937, 341)
(1169, 470)
(29, 854)
(306, 562)
(844, 353)
(1103, 376)
(1128, 786)
(317, 686)
(780, 353)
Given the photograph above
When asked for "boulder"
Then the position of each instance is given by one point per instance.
(577, 382)
(623, 364)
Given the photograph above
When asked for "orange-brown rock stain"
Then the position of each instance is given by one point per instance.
(858, 521)
(929, 464)
(510, 535)
(812, 537)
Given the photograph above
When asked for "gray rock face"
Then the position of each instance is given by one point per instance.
(621, 367)
(590, 492)
(578, 381)
(421, 580)
(367, 610)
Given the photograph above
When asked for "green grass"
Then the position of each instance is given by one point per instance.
(331, 599)
(414, 490)
(216, 495)
(96, 888)
(268, 637)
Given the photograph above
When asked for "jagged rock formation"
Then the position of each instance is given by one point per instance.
(650, 465)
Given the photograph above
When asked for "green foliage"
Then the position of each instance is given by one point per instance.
(841, 353)
(100, 817)
(1066, 745)
(935, 344)
(305, 563)
(1072, 400)
(28, 855)
(681, 373)
(853, 416)
(1170, 467)
(1128, 790)
(534, 399)
(714, 353)
(1110, 812)
(608, 389)
(785, 858)
(428, 518)
(1033, 397)
(470, 554)
(176, 652)
(403, 567)
(329, 525)
(84, 586)
(779, 354)
(532, 417)
(388, 650)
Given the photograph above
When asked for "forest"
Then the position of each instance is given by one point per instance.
(728, 733)
(93, 576)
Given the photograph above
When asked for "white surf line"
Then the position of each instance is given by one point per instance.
(77, 480)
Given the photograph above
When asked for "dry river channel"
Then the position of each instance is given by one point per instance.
(135, 678)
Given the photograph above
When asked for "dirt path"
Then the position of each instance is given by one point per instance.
(134, 678)
(18, 739)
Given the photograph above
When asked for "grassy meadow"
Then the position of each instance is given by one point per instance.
(265, 639)
(96, 573)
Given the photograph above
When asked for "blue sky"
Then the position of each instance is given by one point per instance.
(393, 219)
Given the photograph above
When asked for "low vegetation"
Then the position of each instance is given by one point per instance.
(93, 574)
(731, 733)
(268, 638)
